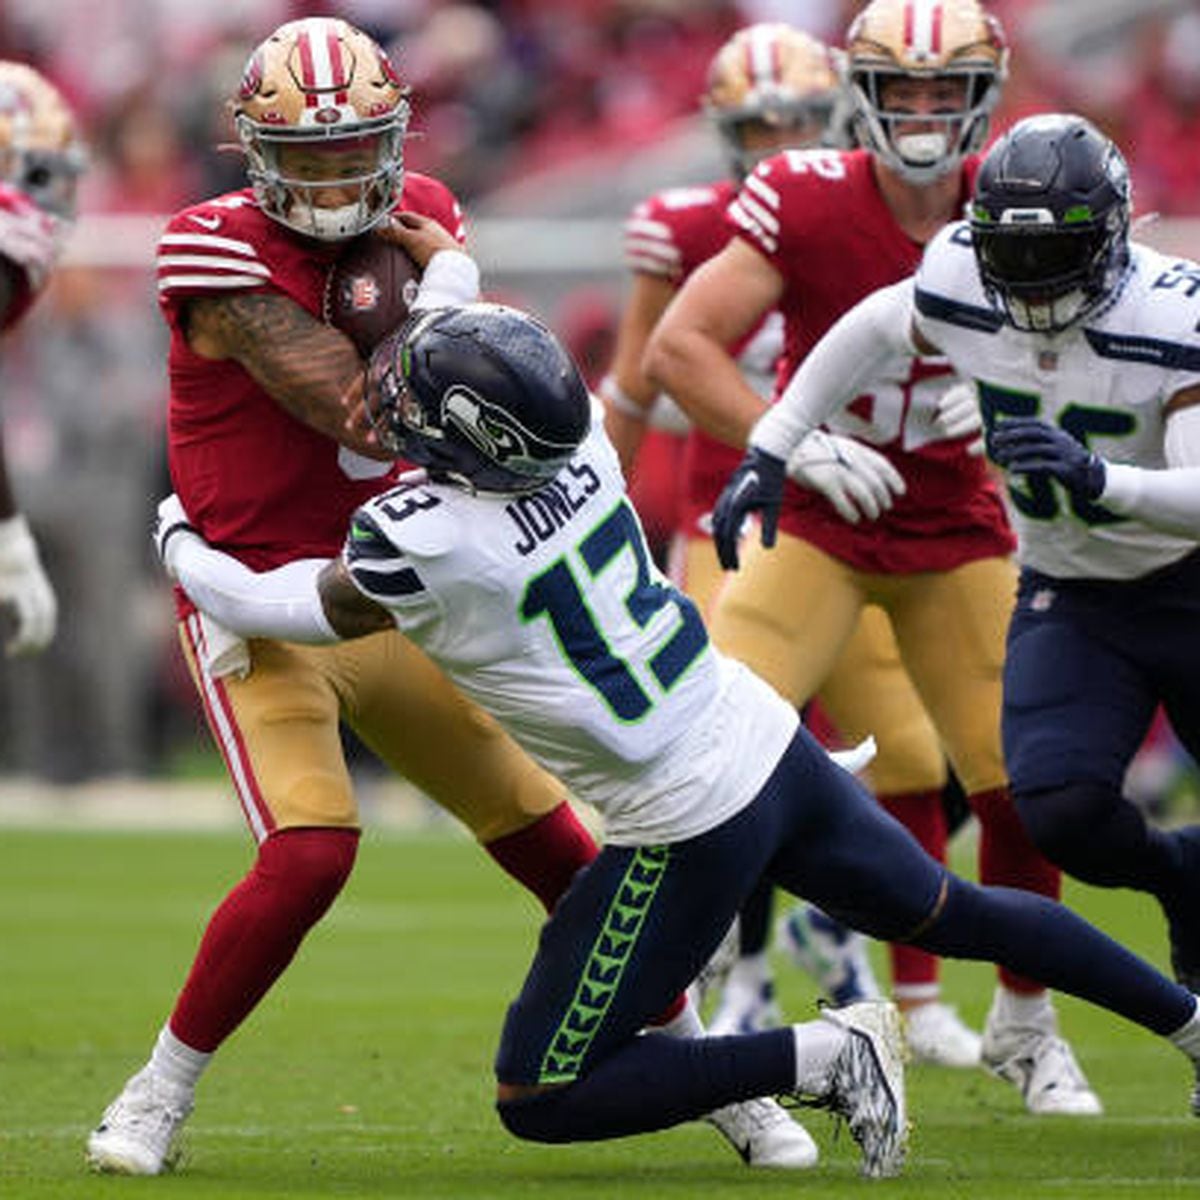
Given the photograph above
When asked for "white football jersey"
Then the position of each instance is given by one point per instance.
(1104, 380)
(547, 610)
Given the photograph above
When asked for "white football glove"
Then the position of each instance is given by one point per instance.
(171, 529)
(957, 415)
(25, 589)
(858, 481)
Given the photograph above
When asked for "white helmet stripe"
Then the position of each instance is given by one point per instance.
(763, 53)
(317, 43)
(923, 28)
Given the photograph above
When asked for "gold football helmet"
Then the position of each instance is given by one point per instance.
(924, 39)
(40, 150)
(773, 77)
(322, 115)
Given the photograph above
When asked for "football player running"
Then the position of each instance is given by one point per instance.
(817, 231)
(261, 454)
(768, 88)
(1086, 361)
(41, 159)
(519, 564)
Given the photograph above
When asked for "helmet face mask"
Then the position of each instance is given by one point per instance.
(40, 151)
(770, 87)
(953, 52)
(1050, 222)
(318, 91)
(482, 396)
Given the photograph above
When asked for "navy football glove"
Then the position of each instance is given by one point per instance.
(1029, 446)
(756, 486)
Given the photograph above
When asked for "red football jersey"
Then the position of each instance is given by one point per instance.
(672, 234)
(257, 482)
(29, 239)
(819, 217)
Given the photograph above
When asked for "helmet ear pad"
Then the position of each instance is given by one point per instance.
(1050, 221)
(482, 395)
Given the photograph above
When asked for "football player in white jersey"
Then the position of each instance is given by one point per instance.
(1085, 352)
(518, 564)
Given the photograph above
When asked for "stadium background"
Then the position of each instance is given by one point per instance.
(549, 118)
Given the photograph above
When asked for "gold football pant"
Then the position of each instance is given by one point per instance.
(793, 614)
(864, 689)
(277, 730)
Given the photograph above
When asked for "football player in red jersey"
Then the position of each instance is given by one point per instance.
(815, 231)
(260, 448)
(41, 158)
(769, 87)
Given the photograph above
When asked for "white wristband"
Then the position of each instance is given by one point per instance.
(450, 278)
(620, 401)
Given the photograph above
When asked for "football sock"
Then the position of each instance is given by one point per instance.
(754, 919)
(1025, 1010)
(818, 1043)
(653, 1083)
(1042, 940)
(915, 971)
(257, 929)
(545, 855)
(1008, 857)
(1187, 1036)
(177, 1063)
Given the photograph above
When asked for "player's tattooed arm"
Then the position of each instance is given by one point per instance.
(350, 613)
(304, 364)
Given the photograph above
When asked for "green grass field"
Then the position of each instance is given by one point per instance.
(366, 1073)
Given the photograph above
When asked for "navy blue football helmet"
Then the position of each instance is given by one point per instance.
(483, 396)
(1050, 221)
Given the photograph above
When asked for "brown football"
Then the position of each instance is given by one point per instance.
(369, 289)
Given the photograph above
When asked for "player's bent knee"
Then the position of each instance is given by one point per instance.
(1072, 826)
(311, 864)
(535, 1118)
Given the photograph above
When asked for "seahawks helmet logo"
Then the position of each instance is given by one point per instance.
(494, 431)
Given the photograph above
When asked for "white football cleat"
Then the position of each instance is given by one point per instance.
(764, 1135)
(866, 1084)
(835, 956)
(747, 1005)
(138, 1134)
(1040, 1064)
(936, 1034)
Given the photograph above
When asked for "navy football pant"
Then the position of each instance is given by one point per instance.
(639, 922)
(1087, 665)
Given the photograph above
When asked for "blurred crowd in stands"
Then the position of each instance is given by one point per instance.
(508, 88)
(504, 92)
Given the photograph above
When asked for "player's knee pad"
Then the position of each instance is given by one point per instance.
(310, 866)
(1075, 827)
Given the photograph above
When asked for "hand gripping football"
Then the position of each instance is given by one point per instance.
(369, 290)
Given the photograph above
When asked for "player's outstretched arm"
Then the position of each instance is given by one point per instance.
(843, 364)
(312, 600)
